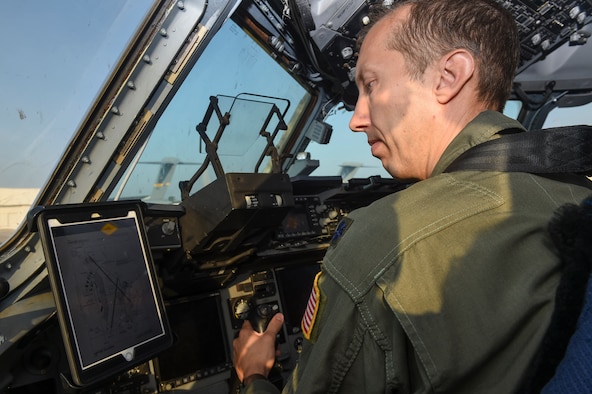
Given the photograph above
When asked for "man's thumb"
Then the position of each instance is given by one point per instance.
(275, 324)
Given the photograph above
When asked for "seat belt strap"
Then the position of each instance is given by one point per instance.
(555, 150)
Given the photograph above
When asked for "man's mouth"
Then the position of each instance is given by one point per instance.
(374, 144)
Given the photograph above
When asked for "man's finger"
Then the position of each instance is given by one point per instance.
(275, 324)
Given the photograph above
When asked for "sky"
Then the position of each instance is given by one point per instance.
(57, 55)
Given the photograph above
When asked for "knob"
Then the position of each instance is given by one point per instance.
(169, 227)
(242, 309)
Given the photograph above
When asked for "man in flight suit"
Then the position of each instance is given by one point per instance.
(448, 285)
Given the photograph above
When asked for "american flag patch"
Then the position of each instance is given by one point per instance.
(310, 314)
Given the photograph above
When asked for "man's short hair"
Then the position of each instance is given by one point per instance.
(483, 27)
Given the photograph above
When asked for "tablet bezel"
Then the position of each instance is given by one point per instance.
(67, 294)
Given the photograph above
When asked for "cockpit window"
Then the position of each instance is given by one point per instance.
(512, 108)
(568, 116)
(56, 58)
(348, 153)
(235, 77)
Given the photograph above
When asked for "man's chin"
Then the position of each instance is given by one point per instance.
(399, 175)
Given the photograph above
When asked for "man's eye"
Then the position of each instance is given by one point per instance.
(369, 86)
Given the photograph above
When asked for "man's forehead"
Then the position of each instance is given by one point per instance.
(377, 36)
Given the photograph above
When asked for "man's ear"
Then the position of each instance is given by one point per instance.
(455, 70)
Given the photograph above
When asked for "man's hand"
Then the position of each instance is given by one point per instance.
(254, 353)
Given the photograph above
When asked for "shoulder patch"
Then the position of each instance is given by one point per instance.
(312, 308)
(342, 227)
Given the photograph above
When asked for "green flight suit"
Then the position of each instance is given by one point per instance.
(447, 286)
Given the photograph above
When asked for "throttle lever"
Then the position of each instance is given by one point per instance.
(261, 315)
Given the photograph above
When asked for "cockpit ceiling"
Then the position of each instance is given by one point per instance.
(568, 67)
(545, 27)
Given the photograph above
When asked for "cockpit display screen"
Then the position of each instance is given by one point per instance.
(200, 349)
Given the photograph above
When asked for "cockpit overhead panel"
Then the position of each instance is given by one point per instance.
(334, 26)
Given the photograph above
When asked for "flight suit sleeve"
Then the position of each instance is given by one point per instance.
(260, 387)
(341, 350)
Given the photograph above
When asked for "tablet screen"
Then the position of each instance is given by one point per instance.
(108, 288)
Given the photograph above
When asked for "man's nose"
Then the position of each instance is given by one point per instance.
(360, 119)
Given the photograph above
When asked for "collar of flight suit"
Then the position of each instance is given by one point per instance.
(483, 128)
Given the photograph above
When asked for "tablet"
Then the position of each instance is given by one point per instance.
(108, 302)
